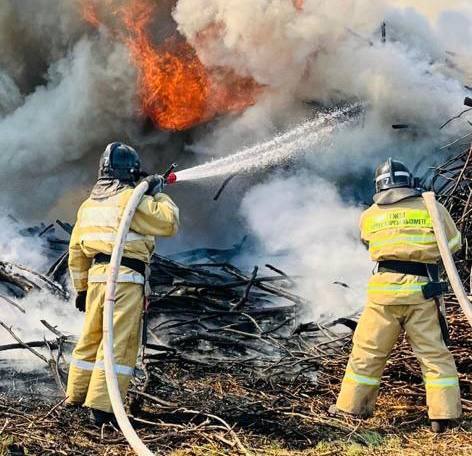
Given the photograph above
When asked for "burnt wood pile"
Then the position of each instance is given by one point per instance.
(452, 182)
(207, 312)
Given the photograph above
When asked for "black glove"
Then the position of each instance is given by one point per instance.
(80, 301)
(156, 184)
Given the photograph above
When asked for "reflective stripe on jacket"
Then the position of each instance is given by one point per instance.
(403, 231)
(97, 225)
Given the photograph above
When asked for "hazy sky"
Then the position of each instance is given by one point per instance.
(433, 7)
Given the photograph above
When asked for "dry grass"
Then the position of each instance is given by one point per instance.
(296, 427)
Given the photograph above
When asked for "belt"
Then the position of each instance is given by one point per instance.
(410, 268)
(132, 263)
(432, 289)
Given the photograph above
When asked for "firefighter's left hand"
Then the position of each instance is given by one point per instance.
(80, 301)
(156, 184)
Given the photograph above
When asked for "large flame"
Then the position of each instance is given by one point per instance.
(176, 90)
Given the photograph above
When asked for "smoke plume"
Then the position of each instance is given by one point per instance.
(63, 92)
(330, 52)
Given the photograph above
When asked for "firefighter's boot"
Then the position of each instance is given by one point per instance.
(335, 412)
(99, 418)
(439, 426)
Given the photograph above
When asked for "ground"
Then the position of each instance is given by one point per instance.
(398, 428)
(272, 419)
(188, 408)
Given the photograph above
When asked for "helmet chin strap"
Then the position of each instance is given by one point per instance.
(392, 173)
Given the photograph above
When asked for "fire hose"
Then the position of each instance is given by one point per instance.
(446, 255)
(110, 297)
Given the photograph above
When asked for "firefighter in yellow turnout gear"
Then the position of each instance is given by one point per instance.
(90, 248)
(404, 294)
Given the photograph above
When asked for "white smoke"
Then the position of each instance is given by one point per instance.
(72, 121)
(330, 52)
(29, 251)
(303, 222)
(270, 40)
(10, 96)
(433, 8)
(64, 93)
(38, 306)
(17, 248)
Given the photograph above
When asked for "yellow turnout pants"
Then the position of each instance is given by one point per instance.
(86, 384)
(375, 336)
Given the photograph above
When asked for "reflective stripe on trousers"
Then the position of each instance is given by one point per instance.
(122, 278)
(377, 332)
(361, 379)
(441, 382)
(100, 364)
(86, 384)
(379, 287)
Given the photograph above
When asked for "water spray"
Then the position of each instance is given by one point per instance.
(276, 151)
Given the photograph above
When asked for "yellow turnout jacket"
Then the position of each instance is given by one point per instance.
(96, 228)
(403, 231)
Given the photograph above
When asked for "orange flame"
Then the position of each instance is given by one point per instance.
(89, 14)
(176, 90)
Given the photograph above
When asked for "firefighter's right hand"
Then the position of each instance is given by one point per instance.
(156, 184)
(80, 301)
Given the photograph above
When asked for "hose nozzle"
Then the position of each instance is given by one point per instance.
(170, 175)
(171, 178)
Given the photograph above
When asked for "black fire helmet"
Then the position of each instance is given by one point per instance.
(120, 161)
(393, 174)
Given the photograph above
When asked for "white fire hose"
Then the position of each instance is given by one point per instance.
(446, 255)
(110, 297)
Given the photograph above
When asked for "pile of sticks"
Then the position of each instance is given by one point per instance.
(212, 310)
(210, 324)
(452, 182)
(17, 282)
(207, 313)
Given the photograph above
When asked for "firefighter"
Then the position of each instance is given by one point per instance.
(404, 294)
(90, 249)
